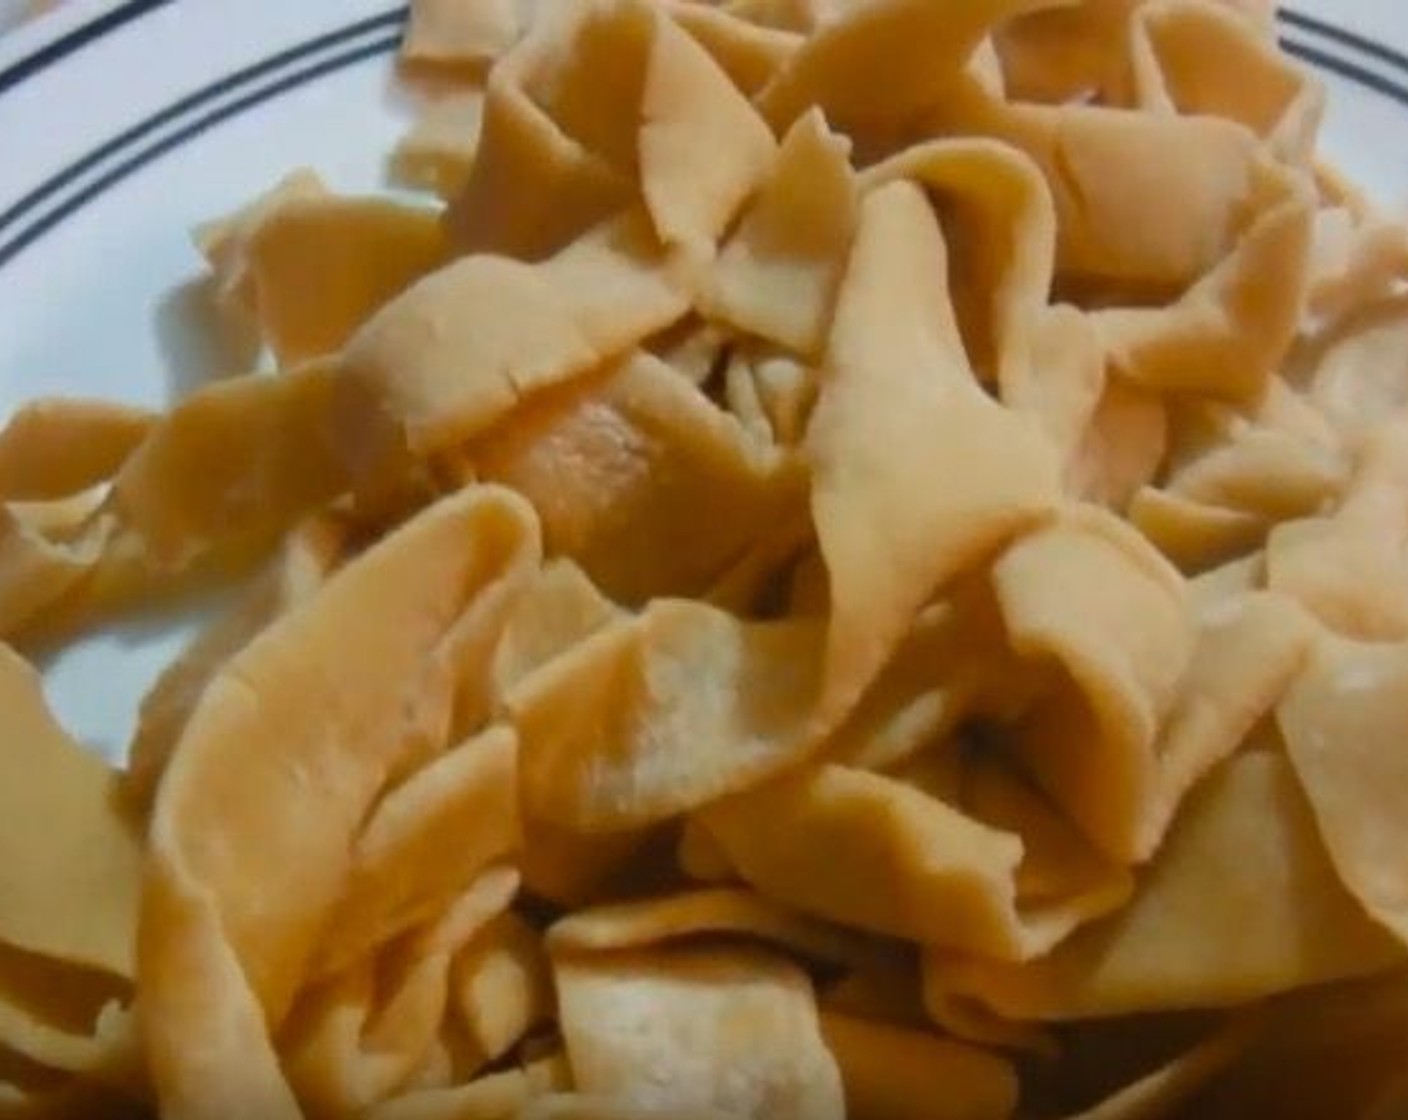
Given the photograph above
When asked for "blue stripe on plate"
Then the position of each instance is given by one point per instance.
(75, 40)
(1302, 22)
(36, 229)
(193, 101)
(1347, 69)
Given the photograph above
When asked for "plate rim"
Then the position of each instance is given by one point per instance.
(83, 179)
(39, 43)
(1326, 46)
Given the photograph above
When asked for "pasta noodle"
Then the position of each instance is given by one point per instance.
(856, 564)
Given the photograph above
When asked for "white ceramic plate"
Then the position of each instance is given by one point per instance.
(123, 124)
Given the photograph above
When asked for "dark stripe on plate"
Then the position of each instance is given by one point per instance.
(75, 40)
(1346, 69)
(192, 101)
(140, 159)
(1302, 22)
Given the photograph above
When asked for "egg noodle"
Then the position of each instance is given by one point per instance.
(853, 562)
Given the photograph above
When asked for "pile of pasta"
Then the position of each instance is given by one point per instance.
(857, 565)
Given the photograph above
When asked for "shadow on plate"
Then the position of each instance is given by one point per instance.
(199, 342)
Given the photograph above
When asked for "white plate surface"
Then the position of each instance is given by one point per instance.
(123, 124)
